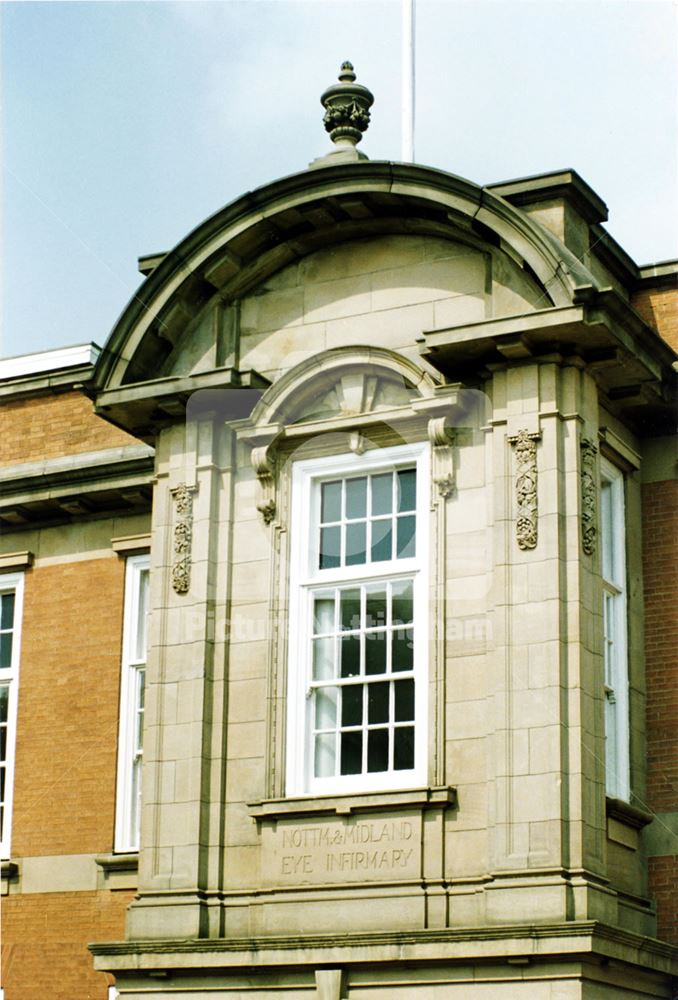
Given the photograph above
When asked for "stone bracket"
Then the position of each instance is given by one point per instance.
(441, 437)
(264, 465)
(527, 509)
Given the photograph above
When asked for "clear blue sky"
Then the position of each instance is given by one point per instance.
(126, 124)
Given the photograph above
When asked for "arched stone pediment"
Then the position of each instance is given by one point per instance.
(344, 382)
(261, 233)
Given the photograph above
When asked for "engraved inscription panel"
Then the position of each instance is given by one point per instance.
(351, 849)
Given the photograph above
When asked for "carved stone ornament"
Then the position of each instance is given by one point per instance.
(441, 437)
(347, 105)
(183, 536)
(525, 448)
(589, 496)
(263, 464)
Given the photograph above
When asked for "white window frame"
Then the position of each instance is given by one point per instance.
(128, 804)
(11, 583)
(615, 631)
(305, 578)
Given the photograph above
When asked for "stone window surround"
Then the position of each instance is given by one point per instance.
(304, 474)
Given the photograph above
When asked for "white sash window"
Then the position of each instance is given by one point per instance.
(358, 642)
(613, 551)
(11, 603)
(132, 700)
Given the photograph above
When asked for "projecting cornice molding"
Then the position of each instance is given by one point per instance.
(631, 363)
(93, 483)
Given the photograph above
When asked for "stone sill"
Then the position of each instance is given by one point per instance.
(440, 797)
(624, 823)
(118, 862)
(624, 812)
(117, 871)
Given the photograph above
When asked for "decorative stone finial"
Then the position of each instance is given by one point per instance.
(347, 105)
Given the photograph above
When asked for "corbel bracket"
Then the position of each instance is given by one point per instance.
(263, 457)
(264, 465)
(445, 411)
(441, 437)
(527, 510)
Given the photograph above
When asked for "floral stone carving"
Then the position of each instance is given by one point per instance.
(525, 448)
(589, 496)
(183, 536)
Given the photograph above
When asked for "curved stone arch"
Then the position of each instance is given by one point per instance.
(283, 402)
(265, 230)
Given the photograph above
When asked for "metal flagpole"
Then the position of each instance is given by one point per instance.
(408, 81)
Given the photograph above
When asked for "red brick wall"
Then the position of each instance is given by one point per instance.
(659, 308)
(49, 426)
(660, 569)
(64, 791)
(45, 936)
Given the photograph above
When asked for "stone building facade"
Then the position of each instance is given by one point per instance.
(371, 513)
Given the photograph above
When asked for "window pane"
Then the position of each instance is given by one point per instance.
(352, 705)
(355, 543)
(325, 751)
(326, 708)
(330, 503)
(4, 701)
(382, 540)
(406, 487)
(382, 494)
(377, 703)
(142, 616)
(330, 547)
(403, 748)
(5, 649)
(404, 701)
(351, 753)
(375, 606)
(350, 609)
(356, 497)
(403, 649)
(350, 655)
(406, 547)
(606, 529)
(323, 615)
(323, 659)
(402, 609)
(377, 750)
(3, 743)
(375, 653)
(6, 610)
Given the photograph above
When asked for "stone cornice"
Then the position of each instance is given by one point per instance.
(538, 941)
(632, 364)
(96, 483)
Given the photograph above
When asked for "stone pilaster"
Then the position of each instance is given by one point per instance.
(181, 835)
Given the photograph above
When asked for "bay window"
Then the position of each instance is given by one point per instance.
(357, 690)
